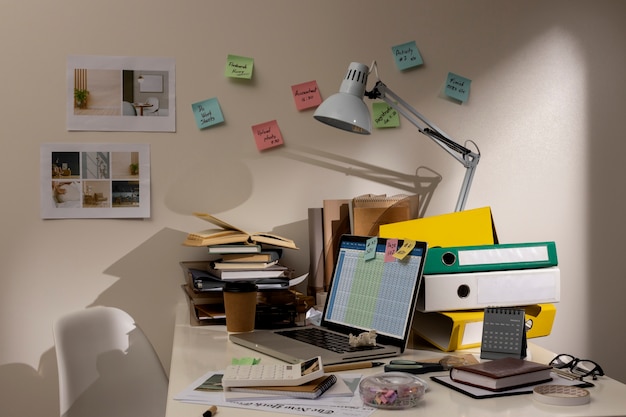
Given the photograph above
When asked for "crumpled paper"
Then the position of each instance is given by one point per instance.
(363, 339)
(313, 316)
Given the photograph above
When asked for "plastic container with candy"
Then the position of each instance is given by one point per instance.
(392, 390)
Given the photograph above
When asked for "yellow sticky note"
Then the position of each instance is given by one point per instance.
(407, 247)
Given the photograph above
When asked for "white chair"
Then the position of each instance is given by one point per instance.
(107, 366)
(128, 109)
(154, 110)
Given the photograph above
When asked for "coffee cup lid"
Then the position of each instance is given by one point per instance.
(240, 286)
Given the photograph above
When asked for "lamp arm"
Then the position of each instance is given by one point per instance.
(465, 156)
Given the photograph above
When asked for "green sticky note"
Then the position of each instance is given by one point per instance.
(245, 361)
(385, 115)
(207, 113)
(407, 55)
(457, 87)
(370, 248)
(239, 67)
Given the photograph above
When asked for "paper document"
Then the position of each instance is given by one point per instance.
(202, 391)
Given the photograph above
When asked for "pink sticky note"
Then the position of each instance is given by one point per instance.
(267, 135)
(390, 249)
(306, 95)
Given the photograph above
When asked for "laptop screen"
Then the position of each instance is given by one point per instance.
(374, 291)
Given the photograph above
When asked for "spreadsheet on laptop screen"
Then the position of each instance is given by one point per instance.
(374, 293)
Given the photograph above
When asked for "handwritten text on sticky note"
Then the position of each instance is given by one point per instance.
(239, 67)
(207, 113)
(406, 248)
(391, 246)
(457, 87)
(267, 135)
(306, 95)
(385, 116)
(407, 55)
(370, 248)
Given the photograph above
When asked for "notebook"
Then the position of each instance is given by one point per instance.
(370, 290)
(328, 385)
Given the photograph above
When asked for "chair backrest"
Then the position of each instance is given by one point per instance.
(155, 105)
(107, 366)
(128, 109)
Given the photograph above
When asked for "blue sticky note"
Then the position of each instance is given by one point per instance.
(407, 55)
(370, 248)
(457, 87)
(207, 113)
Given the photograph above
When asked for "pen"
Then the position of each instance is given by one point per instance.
(349, 366)
(210, 412)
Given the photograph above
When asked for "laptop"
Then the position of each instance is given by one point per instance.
(370, 290)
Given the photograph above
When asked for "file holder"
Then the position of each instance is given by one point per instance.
(504, 333)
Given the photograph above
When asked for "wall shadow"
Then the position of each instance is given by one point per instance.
(150, 280)
(422, 183)
(27, 391)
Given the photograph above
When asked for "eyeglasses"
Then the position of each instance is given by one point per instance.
(579, 367)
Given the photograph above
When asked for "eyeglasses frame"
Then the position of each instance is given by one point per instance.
(595, 372)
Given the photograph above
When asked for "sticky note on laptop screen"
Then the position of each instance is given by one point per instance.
(374, 294)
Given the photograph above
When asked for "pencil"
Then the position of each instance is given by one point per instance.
(350, 366)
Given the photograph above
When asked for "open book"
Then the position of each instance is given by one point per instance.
(228, 233)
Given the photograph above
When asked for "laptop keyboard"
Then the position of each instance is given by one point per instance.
(315, 336)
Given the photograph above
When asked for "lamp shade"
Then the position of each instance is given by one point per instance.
(346, 109)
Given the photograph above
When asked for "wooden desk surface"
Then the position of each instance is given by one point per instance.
(198, 350)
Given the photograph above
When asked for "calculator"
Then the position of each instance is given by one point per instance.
(272, 375)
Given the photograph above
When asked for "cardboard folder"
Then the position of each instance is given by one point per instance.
(451, 260)
(453, 330)
(369, 211)
(476, 290)
(462, 228)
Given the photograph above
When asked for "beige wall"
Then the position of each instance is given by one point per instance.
(546, 109)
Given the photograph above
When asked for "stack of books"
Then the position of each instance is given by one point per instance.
(462, 282)
(244, 256)
(256, 264)
(205, 307)
(277, 304)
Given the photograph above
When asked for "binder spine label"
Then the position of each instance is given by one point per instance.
(503, 255)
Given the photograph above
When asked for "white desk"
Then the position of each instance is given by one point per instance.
(198, 350)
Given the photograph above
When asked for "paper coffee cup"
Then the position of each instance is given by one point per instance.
(240, 306)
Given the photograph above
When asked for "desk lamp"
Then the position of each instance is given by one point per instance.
(346, 110)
